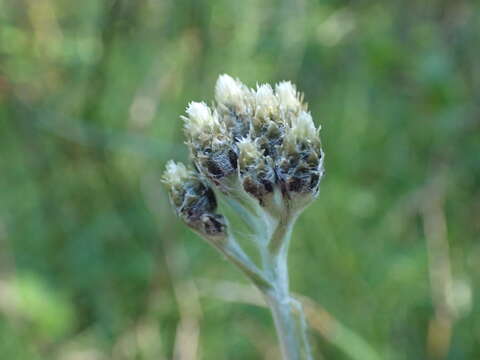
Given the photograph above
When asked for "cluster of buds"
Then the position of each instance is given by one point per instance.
(262, 141)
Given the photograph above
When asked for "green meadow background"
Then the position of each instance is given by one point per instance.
(95, 266)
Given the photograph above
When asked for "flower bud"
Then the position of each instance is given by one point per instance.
(256, 170)
(300, 165)
(266, 104)
(302, 131)
(232, 94)
(235, 104)
(209, 142)
(193, 200)
(201, 125)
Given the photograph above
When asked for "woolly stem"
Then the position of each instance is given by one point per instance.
(288, 314)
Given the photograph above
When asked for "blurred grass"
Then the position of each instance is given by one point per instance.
(93, 265)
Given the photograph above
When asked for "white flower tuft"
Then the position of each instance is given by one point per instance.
(288, 96)
(265, 100)
(248, 152)
(199, 113)
(303, 126)
(231, 92)
(200, 120)
(175, 173)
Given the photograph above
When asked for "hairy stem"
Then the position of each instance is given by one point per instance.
(235, 254)
(287, 313)
(272, 232)
(291, 328)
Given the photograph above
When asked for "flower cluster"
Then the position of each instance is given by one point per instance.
(259, 150)
(261, 140)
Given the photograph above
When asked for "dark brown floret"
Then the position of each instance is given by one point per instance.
(267, 185)
(314, 180)
(251, 187)
(258, 186)
(220, 164)
(295, 184)
(214, 168)
(213, 224)
(197, 199)
(233, 157)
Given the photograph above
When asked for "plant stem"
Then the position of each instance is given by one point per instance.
(233, 252)
(287, 313)
(272, 232)
(291, 329)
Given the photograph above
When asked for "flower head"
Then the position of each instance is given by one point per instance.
(263, 139)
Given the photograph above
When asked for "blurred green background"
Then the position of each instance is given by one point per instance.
(93, 263)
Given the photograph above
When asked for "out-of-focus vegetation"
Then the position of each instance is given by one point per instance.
(93, 264)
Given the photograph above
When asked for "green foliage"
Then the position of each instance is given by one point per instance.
(94, 265)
